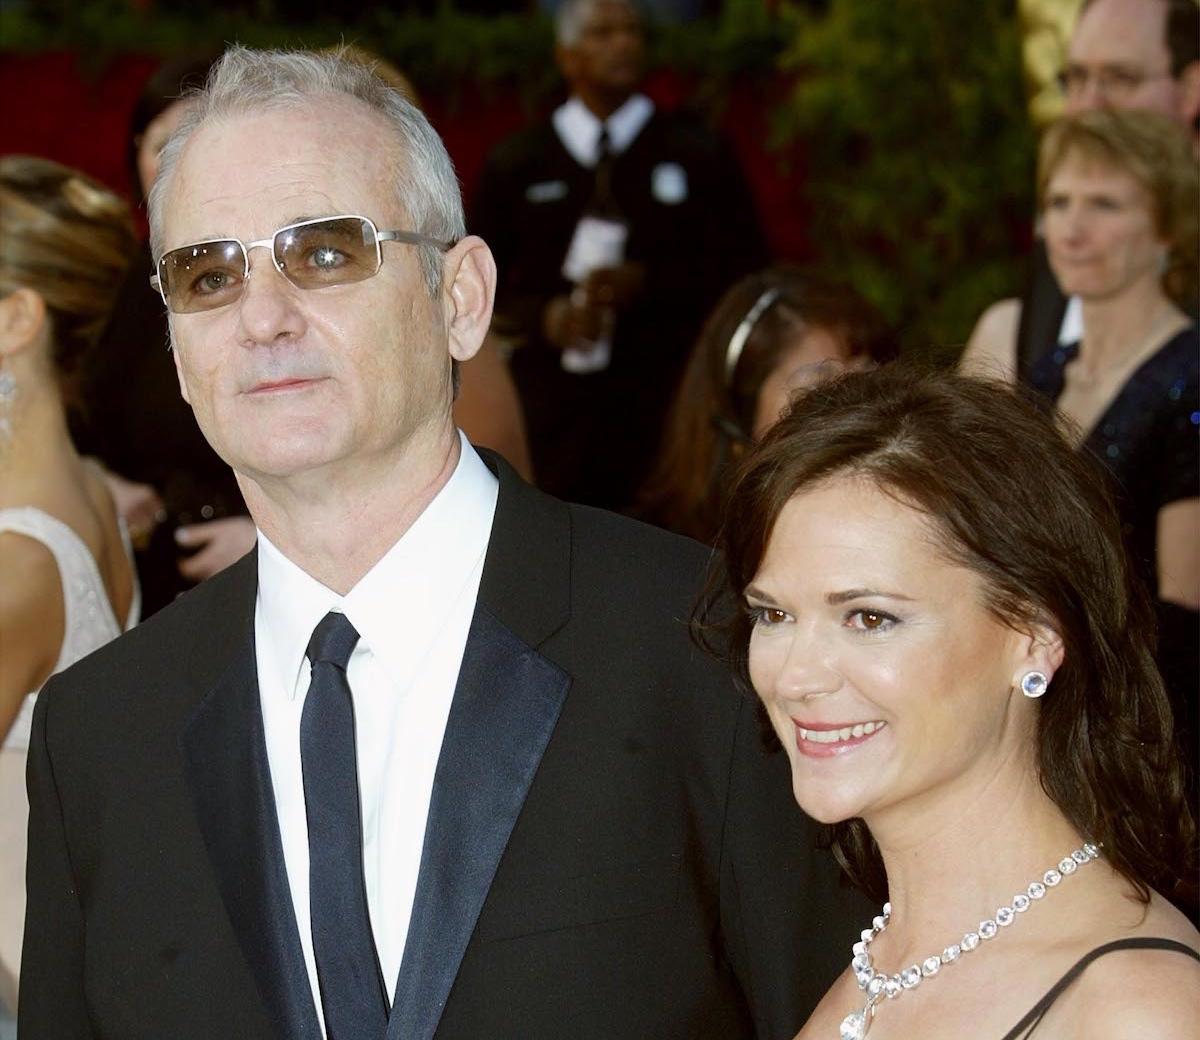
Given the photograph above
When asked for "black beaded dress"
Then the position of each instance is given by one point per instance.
(1149, 440)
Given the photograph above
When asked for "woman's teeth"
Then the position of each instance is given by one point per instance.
(833, 736)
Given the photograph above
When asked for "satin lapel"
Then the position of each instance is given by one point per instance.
(226, 764)
(505, 707)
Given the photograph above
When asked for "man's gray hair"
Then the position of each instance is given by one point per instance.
(572, 16)
(246, 81)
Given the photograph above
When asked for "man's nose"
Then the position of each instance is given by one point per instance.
(268, 313)
(1092, 97)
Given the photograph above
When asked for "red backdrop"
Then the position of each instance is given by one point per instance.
(59, 108)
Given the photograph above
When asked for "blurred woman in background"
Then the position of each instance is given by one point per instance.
(772, 334)
(1119, 193)
(66, 578)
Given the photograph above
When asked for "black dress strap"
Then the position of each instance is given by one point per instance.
(1038, 1011)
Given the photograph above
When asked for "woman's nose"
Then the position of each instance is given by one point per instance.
(806, 670)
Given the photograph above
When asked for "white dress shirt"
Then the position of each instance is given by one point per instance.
(1071, 330)
(579, 129)
(412, 611)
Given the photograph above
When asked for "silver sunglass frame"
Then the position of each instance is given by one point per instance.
(394, 235)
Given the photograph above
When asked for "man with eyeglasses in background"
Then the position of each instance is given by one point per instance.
(438, 758)
(1123, 54)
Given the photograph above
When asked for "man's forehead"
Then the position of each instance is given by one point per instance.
(1121, 31)
(267, 166)
(604, 13)
(333, 127)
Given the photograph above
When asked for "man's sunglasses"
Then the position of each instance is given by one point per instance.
(312, 254)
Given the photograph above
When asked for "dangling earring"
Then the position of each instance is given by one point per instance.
(8, 394)
(1034, 684)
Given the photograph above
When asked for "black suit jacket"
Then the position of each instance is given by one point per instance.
(1042, 310)
(609, 853)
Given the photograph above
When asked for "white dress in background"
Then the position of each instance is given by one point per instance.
(89, 624)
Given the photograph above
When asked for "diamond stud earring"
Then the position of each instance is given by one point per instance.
(1034, 684)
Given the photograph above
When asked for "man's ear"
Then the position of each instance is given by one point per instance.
(470, 280)
(22, 319)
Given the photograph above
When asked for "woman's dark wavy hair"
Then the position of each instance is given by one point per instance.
(1014, 503)
(712, 416)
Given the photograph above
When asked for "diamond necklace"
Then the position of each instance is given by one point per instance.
(877, 985)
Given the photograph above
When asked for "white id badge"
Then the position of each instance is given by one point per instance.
(596, 243)
(584, 360)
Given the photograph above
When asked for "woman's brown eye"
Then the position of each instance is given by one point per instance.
(870, 620)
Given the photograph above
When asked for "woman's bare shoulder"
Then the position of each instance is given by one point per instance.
(1140, 995)
(1132, 994)
(30, 574)
(31, 616)
(992, 349)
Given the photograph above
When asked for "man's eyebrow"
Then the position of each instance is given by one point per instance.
(1104, 66)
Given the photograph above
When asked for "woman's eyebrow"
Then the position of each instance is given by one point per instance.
(836, 598)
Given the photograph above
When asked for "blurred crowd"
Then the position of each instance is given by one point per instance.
(644, 340)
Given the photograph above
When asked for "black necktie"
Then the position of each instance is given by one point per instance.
(352, 993)
(603, 145)
(602, 203)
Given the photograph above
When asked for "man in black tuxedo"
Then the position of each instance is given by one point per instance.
(616, 224)
(438, 758)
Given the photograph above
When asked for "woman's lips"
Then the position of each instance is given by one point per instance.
(824, 740)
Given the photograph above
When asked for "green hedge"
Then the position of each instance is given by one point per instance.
(443, 49)
(920, 156)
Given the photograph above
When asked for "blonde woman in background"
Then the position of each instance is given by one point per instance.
(1119, 193)
(66, 580)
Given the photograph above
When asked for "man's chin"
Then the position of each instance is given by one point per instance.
(282, 462)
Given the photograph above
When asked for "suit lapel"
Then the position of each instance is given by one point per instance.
(506, 704)
(505, 707)
(230, 779)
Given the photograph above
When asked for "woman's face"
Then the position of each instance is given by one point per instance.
(161, 127)
(1099, 227)
(882, 672)
(818, 354)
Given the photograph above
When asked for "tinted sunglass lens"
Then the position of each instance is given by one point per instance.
(328, 252)
(201, 277)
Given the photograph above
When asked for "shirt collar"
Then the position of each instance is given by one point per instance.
(579, 129)
(1071, 330)
(399, 605)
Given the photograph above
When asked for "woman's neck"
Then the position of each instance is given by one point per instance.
(954, 859)
(1120, 328)
(38, 453)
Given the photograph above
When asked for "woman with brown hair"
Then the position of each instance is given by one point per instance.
(945, 635)
(66, 577)
(772, 334)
